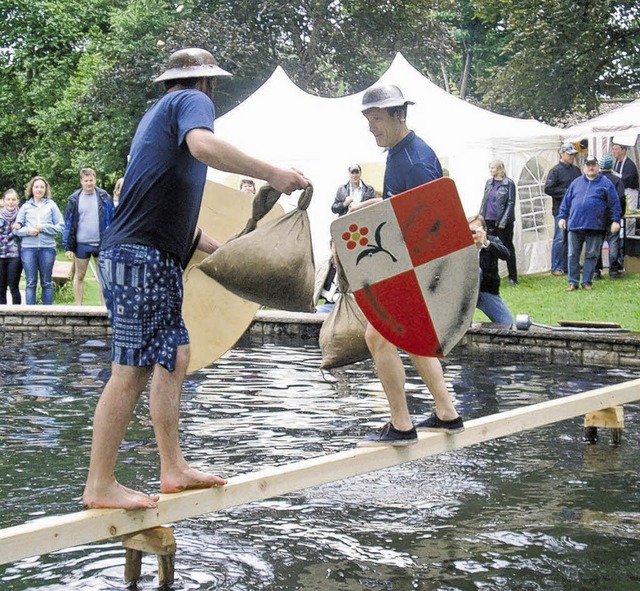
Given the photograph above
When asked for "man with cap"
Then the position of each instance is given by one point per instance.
(616, 256)
(151, 237)
(558, 181)
(410, 163)
(589, 208)
(354, 192)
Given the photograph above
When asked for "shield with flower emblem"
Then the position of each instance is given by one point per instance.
(412, 265)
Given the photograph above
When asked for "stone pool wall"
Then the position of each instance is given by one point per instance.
(566, 347)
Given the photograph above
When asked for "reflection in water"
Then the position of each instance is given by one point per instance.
(539, 510)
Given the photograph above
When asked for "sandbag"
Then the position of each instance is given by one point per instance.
(342, 333)
(272, 264)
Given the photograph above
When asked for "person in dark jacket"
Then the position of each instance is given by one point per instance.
(589, 205)
(354, 192)
(87, 215)
(498, 208)
(558, 181)
(616, 255)
(490, 250)
(628, 171)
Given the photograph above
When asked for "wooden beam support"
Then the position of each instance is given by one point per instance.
(609, 418)
(66, 531)
(159, 541)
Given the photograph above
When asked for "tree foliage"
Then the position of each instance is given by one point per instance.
(77, 73)
(560, 57)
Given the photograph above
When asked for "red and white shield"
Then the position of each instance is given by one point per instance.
(412, 265)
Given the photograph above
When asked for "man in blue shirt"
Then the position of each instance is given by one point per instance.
(151, 236)
(590, 204)
(410, 163)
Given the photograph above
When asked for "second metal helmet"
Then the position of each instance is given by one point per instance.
(192, 62)
(381, 97)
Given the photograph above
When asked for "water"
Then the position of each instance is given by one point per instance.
(536, 511)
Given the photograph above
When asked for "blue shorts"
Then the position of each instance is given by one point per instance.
(86, 251)
(142, 289)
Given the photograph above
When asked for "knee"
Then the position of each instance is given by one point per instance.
(183, 356)
(375, 341)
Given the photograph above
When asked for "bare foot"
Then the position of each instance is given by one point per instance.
(188, 479)
(118, 497)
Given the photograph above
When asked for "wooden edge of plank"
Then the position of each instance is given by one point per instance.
(53, 533)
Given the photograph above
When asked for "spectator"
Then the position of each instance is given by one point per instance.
(498, 208)
(558, 181)
(10, 263)
(88, 213)
(354, 192)
(628, 171)
(616, 255)
(590, 201)
(490, 249)
(248, 186)
(117, 190)
(39, 221)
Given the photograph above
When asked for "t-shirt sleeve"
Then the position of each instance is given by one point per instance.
(423, 172)
(195, 111)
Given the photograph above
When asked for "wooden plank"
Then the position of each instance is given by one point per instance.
(66, 531)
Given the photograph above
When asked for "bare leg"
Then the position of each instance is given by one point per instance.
(110, 424)
(166, 389)
(78, 279)
(391, 373)
(430, 370)
(97, 278)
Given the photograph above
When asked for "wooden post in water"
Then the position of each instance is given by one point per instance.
(159, 541)
(608, 418)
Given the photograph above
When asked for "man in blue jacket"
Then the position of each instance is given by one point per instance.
(588, 205)
(88, 213)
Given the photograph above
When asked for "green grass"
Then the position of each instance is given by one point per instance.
(545, 299)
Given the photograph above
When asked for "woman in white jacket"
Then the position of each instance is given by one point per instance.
(39, 221)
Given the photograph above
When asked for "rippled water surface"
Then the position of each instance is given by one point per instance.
(537, 511)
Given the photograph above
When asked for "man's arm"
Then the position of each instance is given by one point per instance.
(220, 154)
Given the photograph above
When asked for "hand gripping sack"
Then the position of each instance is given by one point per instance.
(271, 265)
(342, 334)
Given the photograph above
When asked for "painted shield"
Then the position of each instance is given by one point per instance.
(413, 267)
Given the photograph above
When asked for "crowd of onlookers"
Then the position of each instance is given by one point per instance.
(587, 206)
(28, 236)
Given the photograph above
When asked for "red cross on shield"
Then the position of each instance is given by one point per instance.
(412, 265)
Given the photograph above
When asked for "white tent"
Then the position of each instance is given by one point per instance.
(621, 125)
(284, 125)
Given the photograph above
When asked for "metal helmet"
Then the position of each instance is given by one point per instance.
(192, 62)
(382, 97)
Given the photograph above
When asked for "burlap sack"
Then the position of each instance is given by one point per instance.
(271, 265)
(342, 333)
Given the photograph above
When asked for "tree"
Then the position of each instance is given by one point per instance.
(561, 57)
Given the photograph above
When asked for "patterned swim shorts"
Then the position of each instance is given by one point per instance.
(143, 293)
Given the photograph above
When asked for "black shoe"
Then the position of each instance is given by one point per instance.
(389, 435)
(597, 275)
(433, 423)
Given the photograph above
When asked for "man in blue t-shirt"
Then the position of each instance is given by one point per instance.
(152, 235)
(410, 163)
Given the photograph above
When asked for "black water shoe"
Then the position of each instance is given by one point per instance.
(389, 435)
(433, 423)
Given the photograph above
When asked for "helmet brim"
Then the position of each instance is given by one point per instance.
(387, 103)
(200, 71)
